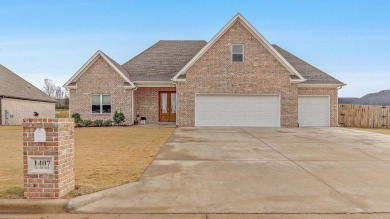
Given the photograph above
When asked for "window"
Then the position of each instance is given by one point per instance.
(101, 103)
(238, 53)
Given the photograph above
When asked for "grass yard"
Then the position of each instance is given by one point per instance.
(105, 157)
(383, 131)
(11, 165)
(62, 113)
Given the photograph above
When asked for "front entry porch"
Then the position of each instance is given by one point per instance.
(157, 104)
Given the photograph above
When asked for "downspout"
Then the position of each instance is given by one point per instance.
(337, 108)
(177, 103)
(132, 104)
(69, 116)
(1, 111)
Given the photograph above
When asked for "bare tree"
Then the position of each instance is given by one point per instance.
(53, 90)
(49, 87)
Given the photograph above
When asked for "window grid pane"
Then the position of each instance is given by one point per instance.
(238, 58)
(95, 99)
(106, 109)
(238, 49)
(106, 99)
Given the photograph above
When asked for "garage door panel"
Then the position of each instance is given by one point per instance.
(313, 111)
(237, 110)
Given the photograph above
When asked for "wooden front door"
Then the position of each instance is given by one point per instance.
(167, 106)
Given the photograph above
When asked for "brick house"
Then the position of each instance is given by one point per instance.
(19, 99)
(235, 79)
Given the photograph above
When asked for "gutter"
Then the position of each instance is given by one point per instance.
(21, 98)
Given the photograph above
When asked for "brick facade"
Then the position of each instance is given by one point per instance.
(147, 102)
(101, 78)
(60, 145)
(260, 73)
(213, 73)
(20, 109)
(332, 93)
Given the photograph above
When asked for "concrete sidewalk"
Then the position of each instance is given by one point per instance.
(198, 216)
(255, 170)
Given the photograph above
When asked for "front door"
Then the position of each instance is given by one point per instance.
(167, 106)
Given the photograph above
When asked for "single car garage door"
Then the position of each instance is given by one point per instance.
(313, 111)
(237, 110)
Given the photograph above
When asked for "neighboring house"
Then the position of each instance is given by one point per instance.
(20, 99)
(380, 98)
(235, 79)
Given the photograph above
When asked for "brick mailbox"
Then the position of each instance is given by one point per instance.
(48, 157)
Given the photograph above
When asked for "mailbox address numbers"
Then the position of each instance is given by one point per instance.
(40, 165)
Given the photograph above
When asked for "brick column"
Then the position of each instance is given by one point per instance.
(48, 166)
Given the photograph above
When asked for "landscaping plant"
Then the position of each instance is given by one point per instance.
(118, 117)
(77, 118)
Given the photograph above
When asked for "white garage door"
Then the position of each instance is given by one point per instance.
(237, 110)
(313, 111)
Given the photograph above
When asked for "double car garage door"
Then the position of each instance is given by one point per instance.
(256, 110)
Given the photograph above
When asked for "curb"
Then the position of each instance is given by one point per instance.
(81, 201)
(32, 205)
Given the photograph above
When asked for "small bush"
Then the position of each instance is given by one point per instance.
(77, 117)
(107, 122)
(118, 118)
(87, 123)
(98, 123)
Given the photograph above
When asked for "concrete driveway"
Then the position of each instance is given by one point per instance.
(259, 170)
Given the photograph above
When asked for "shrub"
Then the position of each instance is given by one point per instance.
(98, 123)
(77, 118)
(87, 123)
(118, 117)
(107, 122)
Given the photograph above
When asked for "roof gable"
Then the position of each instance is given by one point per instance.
(13, 86)
(117, 68)
(255, 33)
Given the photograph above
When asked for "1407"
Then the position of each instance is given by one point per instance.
(42, 164)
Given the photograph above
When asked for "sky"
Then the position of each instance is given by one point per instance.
(348, 39)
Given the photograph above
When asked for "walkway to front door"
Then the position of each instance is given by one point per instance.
(167, 106)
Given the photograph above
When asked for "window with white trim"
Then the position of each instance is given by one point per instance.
(101, 104)
(237, 52)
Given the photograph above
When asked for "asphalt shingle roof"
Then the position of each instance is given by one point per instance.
(11, 85)
(163, 60)
(309, 72)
